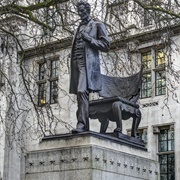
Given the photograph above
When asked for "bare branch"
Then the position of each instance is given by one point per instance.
(157, 8)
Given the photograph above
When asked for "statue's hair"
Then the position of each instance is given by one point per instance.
(86, 4)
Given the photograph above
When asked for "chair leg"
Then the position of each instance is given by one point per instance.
(104, 124)
(117, 113)
(136, 122)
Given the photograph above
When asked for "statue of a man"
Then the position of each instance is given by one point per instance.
(90, 37)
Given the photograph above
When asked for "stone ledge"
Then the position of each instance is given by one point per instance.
(117, 138)
(86, 139)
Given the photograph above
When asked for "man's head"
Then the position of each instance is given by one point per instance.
(83, 9)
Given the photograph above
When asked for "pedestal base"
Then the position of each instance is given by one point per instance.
(88, 157)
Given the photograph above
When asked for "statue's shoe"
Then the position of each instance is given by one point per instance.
(74, 131)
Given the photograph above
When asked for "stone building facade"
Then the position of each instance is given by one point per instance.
(52, 112)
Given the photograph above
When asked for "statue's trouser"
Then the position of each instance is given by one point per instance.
(82, 97)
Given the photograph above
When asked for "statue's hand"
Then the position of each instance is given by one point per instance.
(86, 37)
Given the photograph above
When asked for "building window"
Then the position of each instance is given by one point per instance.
(160, 79)
(48, 82)
(54, 68)
(42, 71)
(53, 92)
(141, 134)
(160, 75)
(42, 84)
(146, 85)
(160, 58)
(54, 82)
(146, 79)
(166, 140)
(167, 167)
(148, 18)
(166, 154)
(154, 76)
(147, 59)
(42, 94)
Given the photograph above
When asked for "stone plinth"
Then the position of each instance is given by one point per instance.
(88, 157)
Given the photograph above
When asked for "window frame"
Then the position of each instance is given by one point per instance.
(147, 89)
(42, 74)
(158, 57)
(53, 78)
(42, 99)
(166, 140)
(168, 172)
(153, 69)
(48, 79)
(159, 88)
(148, 18)
(143, 131)
(166, 153)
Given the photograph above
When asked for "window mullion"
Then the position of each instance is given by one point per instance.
(152, 72)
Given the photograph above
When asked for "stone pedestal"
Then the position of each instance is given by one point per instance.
(88, 156)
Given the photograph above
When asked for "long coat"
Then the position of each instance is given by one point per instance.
(100, 41)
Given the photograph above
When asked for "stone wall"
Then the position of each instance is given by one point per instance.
(90, 160)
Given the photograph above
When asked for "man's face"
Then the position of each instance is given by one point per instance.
(82, 12)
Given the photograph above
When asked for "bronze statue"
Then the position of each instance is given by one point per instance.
(120, 95)
(90, 37)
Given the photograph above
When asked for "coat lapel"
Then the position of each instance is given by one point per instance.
(88, 27)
